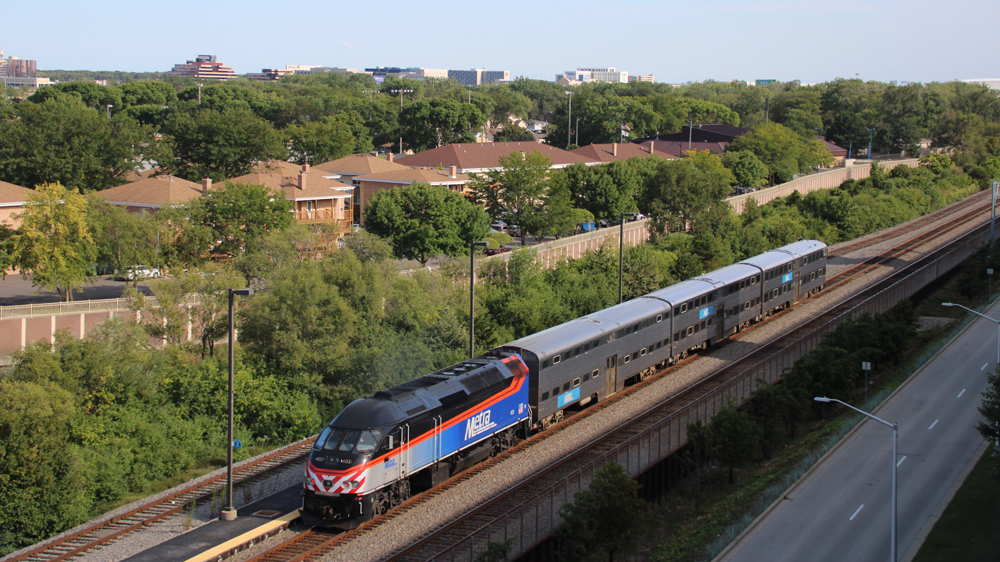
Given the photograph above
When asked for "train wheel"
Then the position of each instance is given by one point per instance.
(400, 492)
(381, 502)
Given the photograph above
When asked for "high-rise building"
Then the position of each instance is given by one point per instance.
(17, 72)
(609, 74)
(479, 76)
(204, 66)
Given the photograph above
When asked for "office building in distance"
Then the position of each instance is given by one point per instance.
(204, 66)
(17, 73)
(584, 75)
(479, 76)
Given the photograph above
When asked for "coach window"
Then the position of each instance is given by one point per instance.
(565, 387)
(628, 359)
(642, 352)
(635, 328)
(684, 308)
(556, 359)
(703, 324)
(595, 344)
(690, 330)
(576, 351)
(753, 280)
(555, 391)
(659, 318)
(545, 396)
(545, 364)
(576, 382)
(709, 321)
(596, 373)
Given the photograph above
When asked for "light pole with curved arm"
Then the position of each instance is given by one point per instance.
(895, 438)
(997, 322)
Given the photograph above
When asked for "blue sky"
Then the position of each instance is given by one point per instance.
(676, 41)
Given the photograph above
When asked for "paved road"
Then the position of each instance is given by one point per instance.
(15, 290)
(841, 510)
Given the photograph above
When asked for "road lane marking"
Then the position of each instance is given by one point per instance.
(960, 393)
(984, 366)
(933, 424)
(901, 460)
(856, 513)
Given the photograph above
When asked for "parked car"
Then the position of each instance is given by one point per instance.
(495, 251)
(499, 226)
(102, 269)
(138, 273)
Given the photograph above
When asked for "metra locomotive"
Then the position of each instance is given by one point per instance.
(418, 433)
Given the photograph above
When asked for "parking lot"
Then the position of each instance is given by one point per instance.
(14, 290)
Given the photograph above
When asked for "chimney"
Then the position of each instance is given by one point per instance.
(614, 149)
(390, 157)
(305, 168)
(454, 171)
(651, 143)
(206, 184)
(302, 177)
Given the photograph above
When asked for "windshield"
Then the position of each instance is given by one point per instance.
(349, 440)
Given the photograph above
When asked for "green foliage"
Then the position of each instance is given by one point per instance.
(515, 188)
(421, 221)
(221, 144)
(732, 437)
(747, 169)
(62, 140)
(782, 151)
(238, 216)
(936, 163)
(608, 516)
(512, 133)
(122, 239)
(320, 141)
(681, 195)
(53, 246)
(990, 409)
(432, 123)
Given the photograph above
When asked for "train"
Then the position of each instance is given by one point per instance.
(383, 447)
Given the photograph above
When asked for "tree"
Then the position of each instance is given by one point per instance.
(122, 239)
(510, 132)
(680, 195)
(732, 437)
(64, 141)
(222, 144)
(606, 191)
(990, 409)
(53, 245)
(421, 221)
(240, 215)
(748, 170)
(515, 188)
(783, 151)
(607, 516)
(432, 123)
(320, 141)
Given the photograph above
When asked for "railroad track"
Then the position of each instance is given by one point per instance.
(428, 547)
(114, 528)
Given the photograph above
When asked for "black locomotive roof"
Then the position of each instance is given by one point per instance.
(366, 413)
(444, 386)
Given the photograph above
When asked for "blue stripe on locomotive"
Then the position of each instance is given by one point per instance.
(479, 424)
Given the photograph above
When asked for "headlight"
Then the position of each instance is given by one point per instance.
(351, 485)
(309, 481)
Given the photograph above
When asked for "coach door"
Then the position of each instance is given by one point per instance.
(611, 378)
(795, 287)
(720, 324)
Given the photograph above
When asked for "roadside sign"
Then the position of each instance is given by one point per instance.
(237, 444)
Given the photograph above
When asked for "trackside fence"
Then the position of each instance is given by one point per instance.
(535, 519)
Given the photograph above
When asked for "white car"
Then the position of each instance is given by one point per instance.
(138, 273)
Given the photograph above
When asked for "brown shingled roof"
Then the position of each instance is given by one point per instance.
(479, 157)
(678, 148)
(11, 194)
(284, 177)
(414, 175)
(359, 165)
(613, 152)
(153, 192)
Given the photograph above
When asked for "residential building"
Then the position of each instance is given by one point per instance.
(613, 152)
(702, 132)
(348, 168)
(839, 153)
(204, 66)
(470, 158)
(150, 194)
(15, 72)
(371, 184)
(678, 148)
(12, 201)
(479, 76)
(317, 196)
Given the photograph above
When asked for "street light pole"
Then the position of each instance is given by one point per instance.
(109, 110)
(871, 133)
(401, 92)
(229, 514)
(895, 439)
(997, 322)
(472, 296)
(621, 254)
(569, 120)
(578, 131)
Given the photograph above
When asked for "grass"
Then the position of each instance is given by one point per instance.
(683, 534)
(967, 530)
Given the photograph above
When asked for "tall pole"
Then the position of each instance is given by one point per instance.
(401, 92)
(993, 214)
(569, 121)
(578, 131)
(621, 257)
(199, 93)
(229, 447)
(871, 133)
(472, 296)
(997, 322)
(895, 440)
